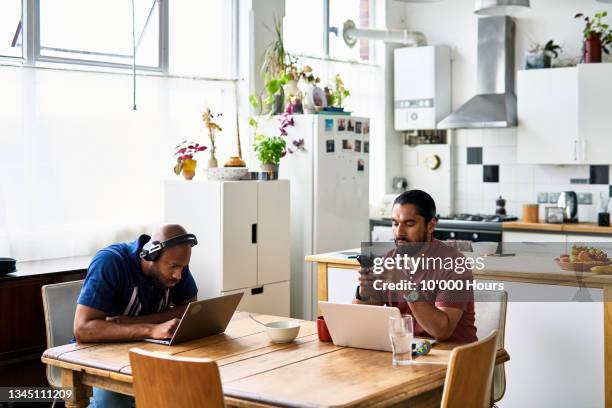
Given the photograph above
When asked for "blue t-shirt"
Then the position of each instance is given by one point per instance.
(116, 285)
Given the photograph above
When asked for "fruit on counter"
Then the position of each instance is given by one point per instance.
(587, 254)
(602, 269)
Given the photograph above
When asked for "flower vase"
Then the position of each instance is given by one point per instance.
(592, 49)
(189, 168)
(212, 161)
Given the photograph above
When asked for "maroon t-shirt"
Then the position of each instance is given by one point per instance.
(462, 299)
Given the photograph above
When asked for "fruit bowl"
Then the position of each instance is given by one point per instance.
(580, 266)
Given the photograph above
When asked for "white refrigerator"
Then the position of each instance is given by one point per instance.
(329, 183)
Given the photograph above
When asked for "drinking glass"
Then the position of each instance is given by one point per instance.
(401, 334)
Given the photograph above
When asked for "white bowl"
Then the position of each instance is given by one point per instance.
(283, 331)
(226, 173)
(484, 248)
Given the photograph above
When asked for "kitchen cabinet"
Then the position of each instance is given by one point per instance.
(534, 243)
(243, 238)
(564, 115)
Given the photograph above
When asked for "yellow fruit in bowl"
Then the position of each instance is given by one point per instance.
(602, 269)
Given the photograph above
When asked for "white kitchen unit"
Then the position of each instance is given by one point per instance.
(422, 86)
(243, 238)
(329, 194)
(564, 115)
(556, 350)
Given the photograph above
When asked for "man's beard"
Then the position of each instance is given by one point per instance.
(157, 281)
(406, 247)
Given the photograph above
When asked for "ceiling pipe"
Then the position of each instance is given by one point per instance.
(351, 33)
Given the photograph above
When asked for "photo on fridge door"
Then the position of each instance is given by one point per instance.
(350, 127)
(357, 146)
(330, 146)
(329, 125)
(358, 127)
(366, 128)
(341, 125)
(346, 144)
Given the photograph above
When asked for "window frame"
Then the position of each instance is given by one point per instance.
(325, 55)
(31, 48)
(12, 57)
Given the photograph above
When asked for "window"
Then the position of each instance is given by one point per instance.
(202, 38)
(360, 11)
(304, 31)
(303, 27)
(100, 31)
(10, 28)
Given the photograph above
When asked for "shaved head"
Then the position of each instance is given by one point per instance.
(167, 270)
(168, 231)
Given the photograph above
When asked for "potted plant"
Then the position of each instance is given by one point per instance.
(541, 56)
(337, 95)
(185, 161)
(269, 149)
(208, 117)
(597, 37)
(274, 71)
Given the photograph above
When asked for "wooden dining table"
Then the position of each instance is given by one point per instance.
(258, 373)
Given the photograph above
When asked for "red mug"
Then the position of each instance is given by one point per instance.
(322, 330)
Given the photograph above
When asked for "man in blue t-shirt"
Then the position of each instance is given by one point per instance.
(129, 295)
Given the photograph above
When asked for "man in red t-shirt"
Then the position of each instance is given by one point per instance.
(442, 311)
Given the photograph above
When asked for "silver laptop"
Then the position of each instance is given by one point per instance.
(360, 326)
(203, 318)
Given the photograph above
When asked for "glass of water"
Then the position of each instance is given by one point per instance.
(401, 334)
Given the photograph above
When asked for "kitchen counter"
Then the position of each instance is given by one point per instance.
(533, 276)
(574, 228)
(521, 268)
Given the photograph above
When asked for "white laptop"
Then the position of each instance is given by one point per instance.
(360, 326)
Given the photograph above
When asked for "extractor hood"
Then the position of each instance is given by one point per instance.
(495, 104)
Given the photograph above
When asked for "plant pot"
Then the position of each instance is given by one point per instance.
(592, 49)
(189, 168)
(537, 60)
(269, 171)
(270, 168)
(212, 161)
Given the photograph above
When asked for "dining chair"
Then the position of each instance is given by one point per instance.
(171, 381)
(469, 374)
(59, 306)
(490, 309)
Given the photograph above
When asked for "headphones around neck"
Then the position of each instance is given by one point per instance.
(152, 250)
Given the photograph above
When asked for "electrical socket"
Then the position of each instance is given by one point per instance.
(542, 198)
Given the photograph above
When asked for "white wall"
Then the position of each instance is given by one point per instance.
(452, 22)
(80, 168)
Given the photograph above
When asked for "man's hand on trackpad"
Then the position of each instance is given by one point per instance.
(164, 330)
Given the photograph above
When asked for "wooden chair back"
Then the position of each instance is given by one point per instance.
(169, 381)
(469, 374)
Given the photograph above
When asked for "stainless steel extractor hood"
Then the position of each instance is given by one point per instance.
(495, 104)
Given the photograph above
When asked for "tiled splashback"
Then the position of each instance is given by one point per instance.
(485, 167)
